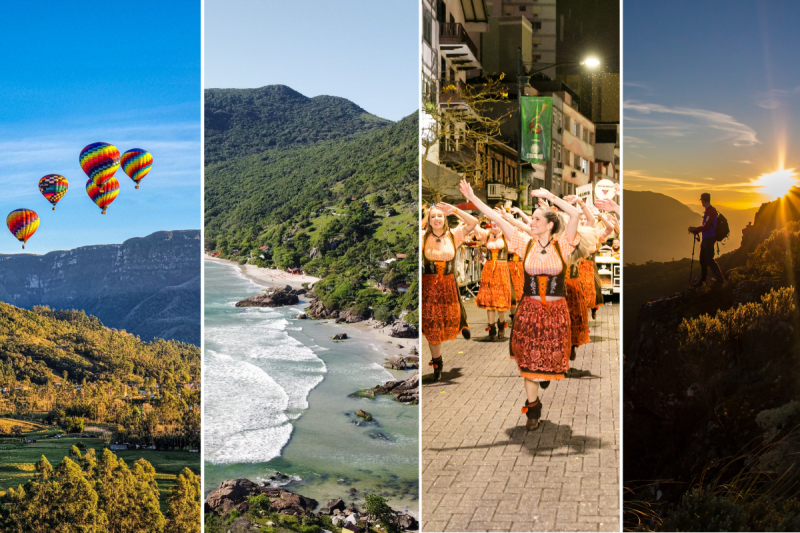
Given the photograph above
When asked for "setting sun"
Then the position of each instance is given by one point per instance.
(776, 184)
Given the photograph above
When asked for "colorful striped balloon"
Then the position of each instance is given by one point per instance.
(136, 163)
(99, 161)
(53, 187)
(22, 223)
(103, 196)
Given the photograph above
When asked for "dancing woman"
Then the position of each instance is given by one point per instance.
(442, 312)
(495, 294)
(540, 335)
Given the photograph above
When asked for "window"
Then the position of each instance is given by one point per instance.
(441, 11)
(591, 137)
(566, 122)
(427, 23)
(558, 152)
(522, 8)
(576, 128)
(585, 167)
(536, 25)
(567, 156)
(576, 161)
(585, 135)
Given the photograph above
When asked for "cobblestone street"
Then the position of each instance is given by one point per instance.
(481, 469)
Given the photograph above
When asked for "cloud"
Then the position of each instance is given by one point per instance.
(737, 133)
(637, 175)
(775, 98)
(744, 162)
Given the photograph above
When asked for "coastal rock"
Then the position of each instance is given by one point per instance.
(407, 522)
(320, 312)
(234, 493)
(400, 362)
(240, 525)
(407, 391)
(336, 504)
(272, 298)
(302, 316)
(404, 330)
(230, 493)
(340, 337)
(363, 414)
(349, 316)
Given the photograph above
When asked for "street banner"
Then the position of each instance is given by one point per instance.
(537, 128)
(604, 190)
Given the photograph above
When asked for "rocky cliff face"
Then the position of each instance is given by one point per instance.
(149, 286)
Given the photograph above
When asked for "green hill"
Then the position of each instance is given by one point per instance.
(335, 207)
(242, 122)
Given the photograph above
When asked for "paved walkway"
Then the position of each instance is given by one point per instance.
(481, 469)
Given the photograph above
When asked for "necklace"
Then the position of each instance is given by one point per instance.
(438, 237)
(544, 248)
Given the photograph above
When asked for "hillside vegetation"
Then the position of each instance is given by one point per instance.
(242, 122)
(710, 387)
(335, 205)
(68, 369)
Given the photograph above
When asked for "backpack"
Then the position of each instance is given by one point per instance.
(723, 229)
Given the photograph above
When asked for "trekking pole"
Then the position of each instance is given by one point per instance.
(694, 242)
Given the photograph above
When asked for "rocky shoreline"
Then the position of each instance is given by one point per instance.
(273, 298)
(235, 494)
(406, 391)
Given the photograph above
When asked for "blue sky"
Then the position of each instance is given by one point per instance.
(364, 50)
(710, 92)
(77, 73)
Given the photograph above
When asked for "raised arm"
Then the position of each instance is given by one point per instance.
(570, 210)
(469, 221)
(491, 214)
(608, 205)
(610, 222)
(525, 218)
(520, 225)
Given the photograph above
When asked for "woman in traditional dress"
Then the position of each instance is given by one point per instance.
(495, 294)
(442, 312)
(540, 335)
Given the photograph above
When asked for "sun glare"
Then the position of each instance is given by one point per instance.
(776, 184)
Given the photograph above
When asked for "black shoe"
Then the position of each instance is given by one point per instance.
(572, 354)
(544, 384)
(437, 365)
(492, 329)
(466, 334)
(533, 410)
(594, 313)
(501, 329)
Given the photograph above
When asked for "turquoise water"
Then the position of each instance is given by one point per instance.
(276, 399)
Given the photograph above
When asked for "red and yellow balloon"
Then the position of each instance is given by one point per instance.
(103, 195)
(22, 223)
(136, 164)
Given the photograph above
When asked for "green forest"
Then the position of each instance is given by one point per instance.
(65, 368)
(335, 203)
(94, 494)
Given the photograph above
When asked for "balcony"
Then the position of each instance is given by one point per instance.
(450, 92)
(457, 47)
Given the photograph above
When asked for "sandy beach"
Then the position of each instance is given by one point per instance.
(268, 277)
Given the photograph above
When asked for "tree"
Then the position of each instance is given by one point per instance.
(74, 424)
(16, 431)
(461, 122)
(380, 511)
(183, 510)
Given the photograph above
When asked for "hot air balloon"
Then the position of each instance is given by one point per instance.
(99, 161)
(136, 163)
(103, 196)
(53, 188)
(22, 223)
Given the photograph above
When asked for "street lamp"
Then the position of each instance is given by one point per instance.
(589, 62)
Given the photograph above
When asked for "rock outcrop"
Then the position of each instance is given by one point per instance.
(234, 493)
(404, 330)
(318, 311)
(406, 391)
(271, 298)
(402, 362)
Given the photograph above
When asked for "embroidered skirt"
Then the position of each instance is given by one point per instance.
(517, 278)
(578, 314)
(441, 310)
(495, 291)
(540, 339)
(586, 269)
